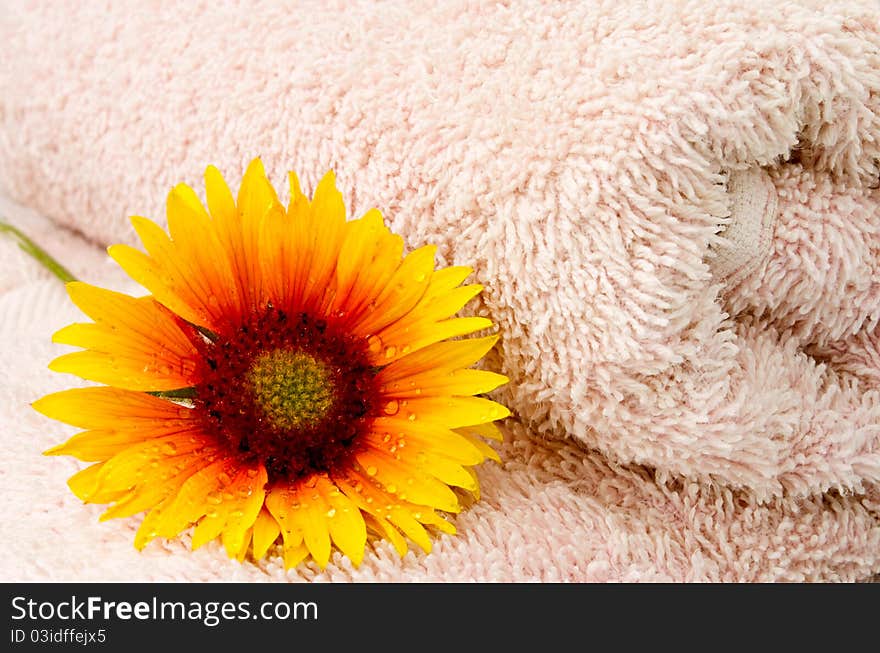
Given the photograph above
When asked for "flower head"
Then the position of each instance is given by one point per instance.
(291, 375)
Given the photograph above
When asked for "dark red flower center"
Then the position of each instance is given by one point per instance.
(290, 391)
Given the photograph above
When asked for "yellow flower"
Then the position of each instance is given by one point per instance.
(292, 374)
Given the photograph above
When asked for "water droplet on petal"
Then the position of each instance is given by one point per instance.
(371, 470)
(391, 408)
(390, 351)
(169, 448)
(412, 417)
(374, 343)
(331, 512)
(358, 487)
(391, 488)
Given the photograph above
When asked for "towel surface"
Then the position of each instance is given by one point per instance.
(553, 512)
(673, 207)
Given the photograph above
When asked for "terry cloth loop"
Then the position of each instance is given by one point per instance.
(746, 238)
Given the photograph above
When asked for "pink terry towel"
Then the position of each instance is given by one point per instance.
(673, 207)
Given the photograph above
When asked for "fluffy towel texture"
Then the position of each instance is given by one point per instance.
(553, 512)
(589, 159)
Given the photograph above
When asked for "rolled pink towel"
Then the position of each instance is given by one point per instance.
(671, 205)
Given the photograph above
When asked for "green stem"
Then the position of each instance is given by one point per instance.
(179, 393)
(210, 335)
(36, 252)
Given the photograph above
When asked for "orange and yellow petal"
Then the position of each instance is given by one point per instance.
(233, 509)
(139, 471)
(208, 271)
(369, 255)
(399, 294)
(196, 240)
(265, 531)
(239, 232)
(174, 281)
(406, 481)
(438, 357)
(385, 508)
(430, 451)
(428, 321)
(283, 505)
(346, 523)
(453, 412)
(461, 382)
(305, 508)
(399, 340)
(108, 408)
(135, 344)
(319, 228)
(154, 486)
(215, 488)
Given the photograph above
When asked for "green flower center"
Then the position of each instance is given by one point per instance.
(291, 388)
